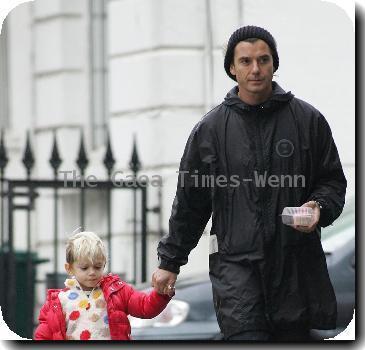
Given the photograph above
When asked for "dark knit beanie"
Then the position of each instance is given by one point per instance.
(246, 33)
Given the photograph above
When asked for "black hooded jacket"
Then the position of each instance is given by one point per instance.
(243, 164)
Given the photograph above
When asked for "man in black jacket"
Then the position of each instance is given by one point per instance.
(262, 150)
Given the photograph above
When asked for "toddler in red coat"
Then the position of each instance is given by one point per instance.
(93, 306)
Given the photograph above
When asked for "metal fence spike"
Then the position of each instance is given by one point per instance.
(55, 159)
(28, 158)
(82, 160)
(135, 164)
(109, 160)
(3, 156)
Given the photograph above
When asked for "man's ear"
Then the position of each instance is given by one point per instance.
(232, 69)
(68, 269)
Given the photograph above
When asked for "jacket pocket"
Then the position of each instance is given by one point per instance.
(304, 165)
(227, 219)
(119, 325)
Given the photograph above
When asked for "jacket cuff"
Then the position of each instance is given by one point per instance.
(164, 297)
(169, 266)
(323, 209)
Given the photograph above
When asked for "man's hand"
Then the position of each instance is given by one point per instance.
(164, 282)
(315, 219)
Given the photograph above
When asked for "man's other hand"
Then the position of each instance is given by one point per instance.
(315, 219)
(164, 282)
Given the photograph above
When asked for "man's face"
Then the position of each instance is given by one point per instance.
(253, 67)
(87, 274)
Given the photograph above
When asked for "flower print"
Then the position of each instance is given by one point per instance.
(88, 306)
(85, 335)
(94, 318)
(71, 328)
(74, 315)
(73, 296)
(96, 294)
(106, 320)
(105, 332)
(100, 303)
(83, 304)
(70, 282)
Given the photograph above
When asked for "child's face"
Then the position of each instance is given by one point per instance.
(88, 274)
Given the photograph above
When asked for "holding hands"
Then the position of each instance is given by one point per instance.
(164, 282)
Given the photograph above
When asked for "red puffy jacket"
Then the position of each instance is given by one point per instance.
(121, 299)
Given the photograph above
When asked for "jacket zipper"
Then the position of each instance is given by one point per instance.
(261, 170)
(261, 158)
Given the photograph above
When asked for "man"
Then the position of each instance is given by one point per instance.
(266, 150)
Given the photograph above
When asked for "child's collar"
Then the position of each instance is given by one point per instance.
(73, 283)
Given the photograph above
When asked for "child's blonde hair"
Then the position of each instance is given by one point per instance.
(85, 245)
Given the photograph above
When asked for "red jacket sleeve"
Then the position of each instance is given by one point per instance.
(143, 305)
(43, 331)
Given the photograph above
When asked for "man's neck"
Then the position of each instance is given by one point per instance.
(254, 99)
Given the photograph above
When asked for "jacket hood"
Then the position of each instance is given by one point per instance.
(278, 98)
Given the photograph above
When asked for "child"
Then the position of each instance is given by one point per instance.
(93, 306)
